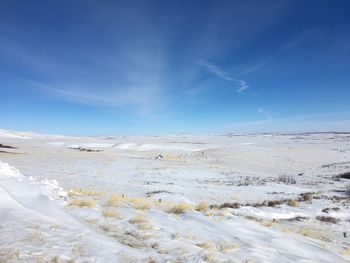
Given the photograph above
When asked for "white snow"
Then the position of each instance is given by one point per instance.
(58, 207)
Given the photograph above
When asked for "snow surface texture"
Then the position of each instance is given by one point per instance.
(202, 198)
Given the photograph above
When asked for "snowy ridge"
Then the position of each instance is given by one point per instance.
(47, 187)
(30, 221)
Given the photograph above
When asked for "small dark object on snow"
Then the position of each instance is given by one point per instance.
(159, 156)
(7, 146)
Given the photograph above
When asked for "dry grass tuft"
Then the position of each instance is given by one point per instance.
(208, 245)
(112, 213)
(152, 260)
(327, 219)
(228, 247)
(83, 203)
(211, 257)
(116, 201)
(314, 234)
(260, 221)
(267, 223)
(79, 250)
(56, 259)
(306, 197)
(180, 208)
(287, 230)
(202, 206)
(346, 252)
(142, 222)
(35, 235)
(84, 192)
(211, 213)
(293, 203)
(9, 255)
(141, 203)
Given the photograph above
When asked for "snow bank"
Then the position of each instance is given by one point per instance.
(15, 135)
(167, 147)
(30, 221)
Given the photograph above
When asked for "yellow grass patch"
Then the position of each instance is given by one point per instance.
(84, 192)
(287, 230)
(208, 245)
(112, 213)
(141, 203)
(202, 206)
(267, 223)
(211, 213)
(293, 203)
(83, 203)
(346, 252)
(308, 233)
(211, 257)
(142, 222)
(262, 222)
(228, 247)
(9, 255)
(116, 201)
(180, 208)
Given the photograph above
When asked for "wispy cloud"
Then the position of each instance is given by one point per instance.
(265, 113)
(135, 83)
(219, 72)
(145, 101)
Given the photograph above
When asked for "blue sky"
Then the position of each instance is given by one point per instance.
(140, 67)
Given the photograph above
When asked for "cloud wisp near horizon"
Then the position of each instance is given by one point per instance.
(91, 67)
(218, 71)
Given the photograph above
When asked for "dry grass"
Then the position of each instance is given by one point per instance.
(142, 222)
(202, 206)
(313, 234)
(116, 201)
(112, 213)
(211, 257)
(84, 192)
(306, 197)
(223, 247)
(35, 235)
(211, 213)
(9, 255)
(79, 250)
(262, 222)
(56, 259)
(327, 219)
(208, 245)
(180, 208)
(141, 203)
(131, 239)
(346, 252)
(293, 203)
(83, 203)
(287, 230)
(228, 247)
(307, 232)
(267, 223)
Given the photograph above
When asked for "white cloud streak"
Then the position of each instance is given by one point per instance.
(264, 112)
(219, 72)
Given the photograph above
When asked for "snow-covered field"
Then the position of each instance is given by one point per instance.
(175, 198)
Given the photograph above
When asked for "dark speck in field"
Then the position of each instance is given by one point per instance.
(6, 152)
(7, 146)
(149, 194)
(85, 150)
